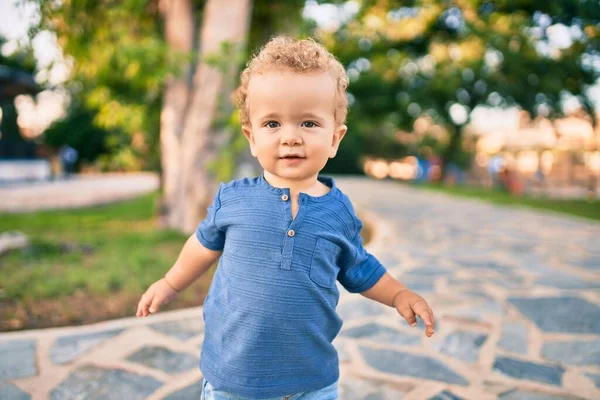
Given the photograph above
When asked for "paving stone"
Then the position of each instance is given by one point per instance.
(595, 378)
(353, 388)
(463, 345)
(588, 261)
(509, 282)
(445, 395)
(535, 264)
(9, 391)
(458, 251)
(408, 364)
(525, 395)
(576, 352)
(490, 265)
(560, 314)
(340, 346)
(93, 383)
(417, 284)
(522, 247)
(428, 272)
(192, 391)
(388, 260)
(359, 308)
(479, 294)
(183, 329)
(466, 281)
(164, 359)
(67, 348)
(564, 281)
(382, 334)
(592, 262)
(17, 359)
(481, 310)
(514, 337)
(526, 370)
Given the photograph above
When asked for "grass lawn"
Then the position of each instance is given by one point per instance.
(578, 207)
(87, 265)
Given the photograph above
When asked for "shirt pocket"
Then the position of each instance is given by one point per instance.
(323, 265)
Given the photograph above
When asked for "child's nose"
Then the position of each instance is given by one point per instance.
(291, 137)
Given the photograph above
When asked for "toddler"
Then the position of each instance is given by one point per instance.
(284, 239)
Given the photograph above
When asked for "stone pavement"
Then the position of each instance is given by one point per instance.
(515, 292)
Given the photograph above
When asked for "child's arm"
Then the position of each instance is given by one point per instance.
(193, 261)
(392, 293)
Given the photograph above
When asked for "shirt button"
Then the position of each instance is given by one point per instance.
(284, 197)
(291, 233)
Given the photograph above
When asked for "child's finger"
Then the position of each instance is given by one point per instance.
(156, 302)
(144, 304)
(408, 315)
(140, 310)
(432, 318)
(422, 310)
(426, 315)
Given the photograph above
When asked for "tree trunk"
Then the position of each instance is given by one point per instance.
(179, 35)
(224, 21)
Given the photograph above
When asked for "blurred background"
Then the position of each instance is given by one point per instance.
(492, 99)
(117, 124)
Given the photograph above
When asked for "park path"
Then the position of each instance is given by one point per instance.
(515, 292)
(79, 191)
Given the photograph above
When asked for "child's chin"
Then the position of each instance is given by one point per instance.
(295, 175)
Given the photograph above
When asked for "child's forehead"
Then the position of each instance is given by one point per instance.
(291, 91)
(277, 75)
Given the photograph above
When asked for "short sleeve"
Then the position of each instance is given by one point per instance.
(208, 232)
(359, 270)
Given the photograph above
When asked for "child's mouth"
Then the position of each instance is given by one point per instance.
(292, 159)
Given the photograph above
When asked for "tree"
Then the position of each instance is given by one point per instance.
(442, 59)
(124, 52)
(118, 68)
(190, 139)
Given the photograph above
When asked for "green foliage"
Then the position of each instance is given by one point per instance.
(407, 59)
(23, 59)
(121, 62)
(274, 17)
(78, 130)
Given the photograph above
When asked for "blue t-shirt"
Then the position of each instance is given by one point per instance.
(270, 312)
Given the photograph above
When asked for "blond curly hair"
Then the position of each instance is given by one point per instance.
(297, 55)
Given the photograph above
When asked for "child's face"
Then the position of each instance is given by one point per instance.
(292, 128)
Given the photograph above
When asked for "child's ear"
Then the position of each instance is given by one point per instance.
(338, 135)
(247, 130)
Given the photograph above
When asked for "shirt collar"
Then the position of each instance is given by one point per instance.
(326, 180)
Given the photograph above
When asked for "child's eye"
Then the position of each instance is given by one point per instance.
(272, 124)
(309, 124)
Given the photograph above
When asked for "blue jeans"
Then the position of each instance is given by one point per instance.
(327, 393)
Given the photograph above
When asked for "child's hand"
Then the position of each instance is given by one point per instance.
(408, 303)
(160, 292)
